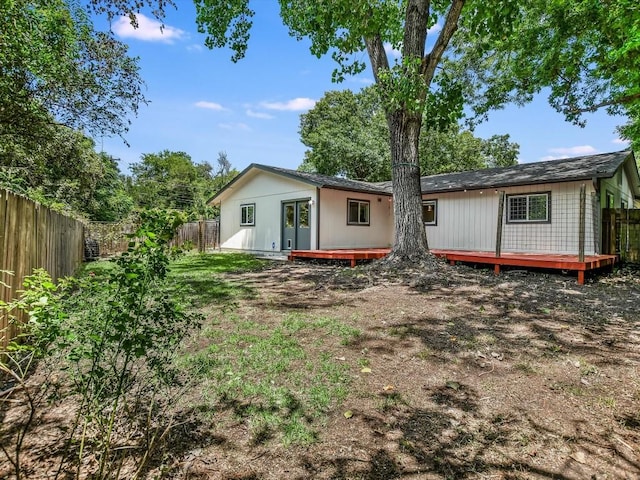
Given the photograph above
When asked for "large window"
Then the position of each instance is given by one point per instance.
(248, 214)
(532, 207)
(430, 212)
(358, 212)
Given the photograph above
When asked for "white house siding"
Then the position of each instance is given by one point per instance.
(267, 191)
(334, 231)
(468, 221)
(619, 187)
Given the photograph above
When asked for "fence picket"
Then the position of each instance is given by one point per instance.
(32, 236)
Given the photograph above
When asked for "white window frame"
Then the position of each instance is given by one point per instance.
(244, 214)
(528, 197)
(360, 203)
(426, 203)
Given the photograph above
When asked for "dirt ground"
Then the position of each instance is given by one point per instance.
(519, 376)
(526, 375)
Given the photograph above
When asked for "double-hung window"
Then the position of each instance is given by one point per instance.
(529, 208)
(248, 215)
(357, 212)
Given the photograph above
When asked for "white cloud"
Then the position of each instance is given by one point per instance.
(577, 150)
(210, 106)
(568, 152)
(235, 126)
(388, 48)
(361, 80)
(148, 30)
(620, 141)
(295, 105)
(435, 28)
(195, 47)
(262, 115)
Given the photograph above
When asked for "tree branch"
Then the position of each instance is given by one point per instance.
(377, 55)
(432, 60)
(618, 101)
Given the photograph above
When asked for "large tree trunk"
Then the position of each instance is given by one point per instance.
(410, 242)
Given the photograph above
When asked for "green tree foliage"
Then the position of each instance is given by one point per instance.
(454, 150)
(347, 135)
(65, 173)
(55, 68)
(586, 51)
(172, 180)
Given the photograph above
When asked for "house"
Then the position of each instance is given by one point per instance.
(271, 209)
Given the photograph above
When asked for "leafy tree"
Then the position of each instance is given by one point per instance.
(55, 68)
(586, 51)
(347, 135)
(66, 173)
(172, 180)
(454, 150)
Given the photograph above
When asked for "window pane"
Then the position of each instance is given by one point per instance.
(303, 215)
(517, 208)
(538, 208)
(289, 216)
(364, 213)
(247, 214)
(353, 212)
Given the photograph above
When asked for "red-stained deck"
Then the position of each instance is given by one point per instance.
(353, 255)
(530, 260)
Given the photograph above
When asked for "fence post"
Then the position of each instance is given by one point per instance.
(499, 227)
(582, 222)
(201, 239)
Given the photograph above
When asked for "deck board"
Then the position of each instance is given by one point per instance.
(526, 260)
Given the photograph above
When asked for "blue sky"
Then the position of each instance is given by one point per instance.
(202, 103)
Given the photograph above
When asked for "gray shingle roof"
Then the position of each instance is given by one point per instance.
(328, 181)
(565, 170)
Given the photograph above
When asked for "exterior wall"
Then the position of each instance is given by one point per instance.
(619, 187)
(468, 221)
(267, 191)
(334, 231)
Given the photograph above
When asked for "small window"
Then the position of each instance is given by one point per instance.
(610, 199)
(358, 212)
(624, 205)
(430, 212)
(248, 214)
(532, 207)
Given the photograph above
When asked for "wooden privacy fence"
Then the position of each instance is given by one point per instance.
(202, 235)
(622, 233)
(33, 236)
(112, 238)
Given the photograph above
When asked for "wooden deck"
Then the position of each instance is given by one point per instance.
(353, 255)
(526, 260)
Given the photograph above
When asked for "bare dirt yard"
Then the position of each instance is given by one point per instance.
(456, 374)
(320, 371)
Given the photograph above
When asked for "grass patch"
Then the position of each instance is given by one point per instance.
(268, 378)
(200, 277)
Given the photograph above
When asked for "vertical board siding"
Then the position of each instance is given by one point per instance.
(468, 221)
(33, 236)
